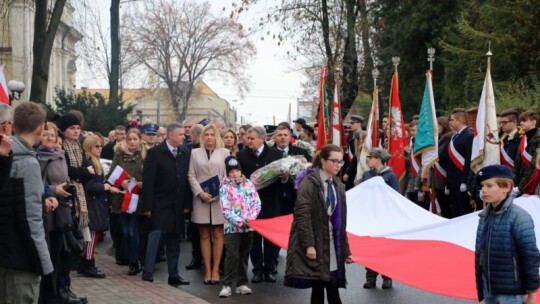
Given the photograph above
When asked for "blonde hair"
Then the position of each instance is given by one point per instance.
(52, 127)
(219, 141)
(234, 148)
(89, 142)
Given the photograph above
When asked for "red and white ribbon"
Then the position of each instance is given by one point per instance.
(457, 159)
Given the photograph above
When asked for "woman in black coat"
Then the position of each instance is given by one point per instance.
(98, 206)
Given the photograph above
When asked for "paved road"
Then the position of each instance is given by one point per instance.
(268, 293)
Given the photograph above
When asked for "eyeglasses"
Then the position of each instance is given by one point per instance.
(98, 146)
(337, 162)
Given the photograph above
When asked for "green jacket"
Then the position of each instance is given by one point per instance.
(133, 164)
(311, 228)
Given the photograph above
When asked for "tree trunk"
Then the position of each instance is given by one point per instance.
(115, 51)
(330, 62)
(350, 60)
(43, 43)
(186, 94)
(365, 81)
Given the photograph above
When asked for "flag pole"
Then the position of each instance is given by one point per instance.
(431, 58)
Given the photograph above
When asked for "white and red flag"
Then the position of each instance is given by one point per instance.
(117, 176)
(338, 137)
(406, 242)
(130, 202)
(486, 149)
(372, 139)
(133, 187)
(4, 92)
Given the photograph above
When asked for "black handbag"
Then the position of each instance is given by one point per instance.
(63, 216)
(72, 243)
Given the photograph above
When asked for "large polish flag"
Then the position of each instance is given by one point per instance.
(394, 236)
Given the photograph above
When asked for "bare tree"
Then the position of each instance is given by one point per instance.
(95, 49)
(322, 32)
(182, 41)
(44, 32)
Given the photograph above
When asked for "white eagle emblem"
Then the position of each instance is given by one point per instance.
(396, 125)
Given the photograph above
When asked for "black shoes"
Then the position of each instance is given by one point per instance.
(134, 268)
(195, 264)
(257, 278)
(268, 277)
(147, 277)
(369, 284)
(387, 284)
(88, 268)
(66, 296)
(177, 281)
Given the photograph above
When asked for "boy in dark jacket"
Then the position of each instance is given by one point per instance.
(376, 161)
(506, 255)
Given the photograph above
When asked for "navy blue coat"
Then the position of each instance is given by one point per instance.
(166, 192)
(510, 255)
(454, 176)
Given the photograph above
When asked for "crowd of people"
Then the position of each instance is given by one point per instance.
(59, 198)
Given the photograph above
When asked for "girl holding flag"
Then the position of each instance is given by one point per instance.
(96, 199)
(129, 155)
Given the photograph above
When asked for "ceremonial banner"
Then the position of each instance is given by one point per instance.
(485, 149)
(406, 242)
(397, 141)
(4, 92)
(372, 135)
(426, 142)
(321, 124)
(338, 137)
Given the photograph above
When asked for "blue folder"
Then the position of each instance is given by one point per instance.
(211, 186)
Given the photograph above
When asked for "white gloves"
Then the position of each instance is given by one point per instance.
(515, 192)
(446, 191)
(463, 187)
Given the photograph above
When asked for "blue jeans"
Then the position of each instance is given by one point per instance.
(500, 299)
(130, 232)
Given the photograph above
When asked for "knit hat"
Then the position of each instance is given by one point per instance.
(231, 163)
(380, 154)
(493, 171)
(66, 121)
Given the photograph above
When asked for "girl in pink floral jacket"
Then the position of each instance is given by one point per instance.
(240, 203)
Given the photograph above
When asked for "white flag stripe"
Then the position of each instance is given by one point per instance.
(375, 209)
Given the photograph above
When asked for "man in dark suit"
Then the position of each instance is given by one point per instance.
(459, 163)
(256, 156)
(510, 138)
(287, 195)
(166, 197)
(119, 135)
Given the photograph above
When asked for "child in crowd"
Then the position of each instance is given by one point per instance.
(506, 256)
(240, 204)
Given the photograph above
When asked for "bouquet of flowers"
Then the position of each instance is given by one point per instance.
(306, 146)
(268, 174)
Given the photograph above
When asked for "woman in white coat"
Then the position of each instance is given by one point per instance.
(207, 162)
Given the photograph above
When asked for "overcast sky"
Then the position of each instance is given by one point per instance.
(274, 84)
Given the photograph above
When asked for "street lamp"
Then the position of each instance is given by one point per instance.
(16, 87)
